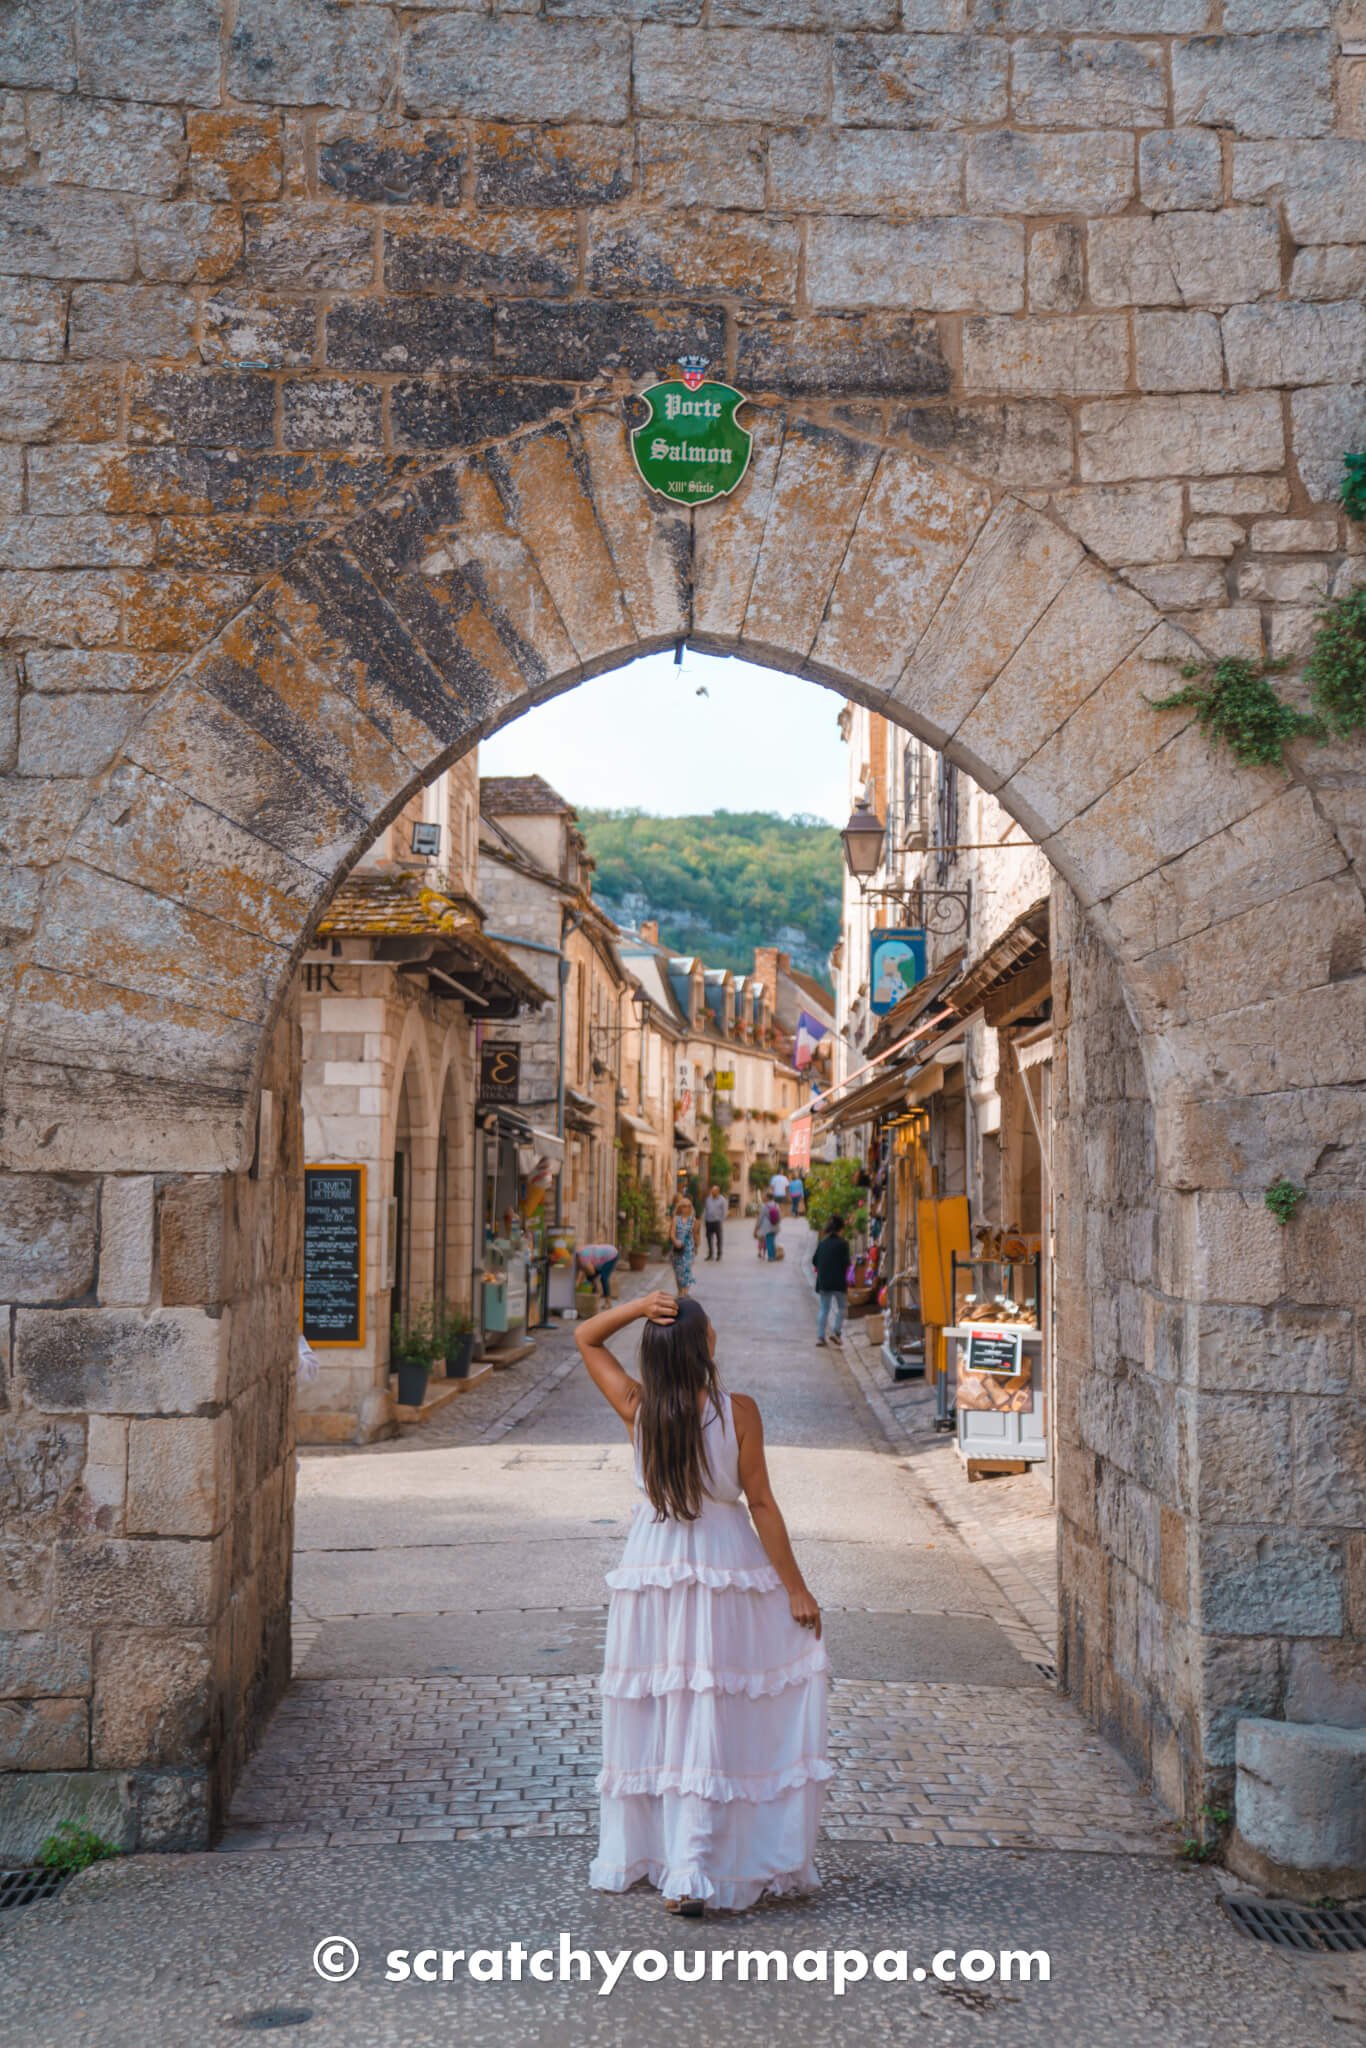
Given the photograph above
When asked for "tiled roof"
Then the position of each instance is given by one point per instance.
(509, 795)
(377, 906)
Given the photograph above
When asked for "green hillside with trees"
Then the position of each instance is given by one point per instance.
(722, 884)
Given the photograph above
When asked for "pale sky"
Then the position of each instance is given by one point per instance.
(642, 738)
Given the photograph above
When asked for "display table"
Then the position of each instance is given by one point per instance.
(1000, 1413)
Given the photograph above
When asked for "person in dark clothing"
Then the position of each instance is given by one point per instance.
(831, 1261)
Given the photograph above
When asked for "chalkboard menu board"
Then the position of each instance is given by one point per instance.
(334, 1255)
(994, 1351)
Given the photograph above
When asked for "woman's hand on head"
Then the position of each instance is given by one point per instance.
(659, 1307)
(805, 1611)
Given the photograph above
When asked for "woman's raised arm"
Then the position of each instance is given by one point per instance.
(766, 1514)
(610, 1378)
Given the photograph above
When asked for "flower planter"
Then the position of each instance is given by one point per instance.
(459, 1354)
(412, 1382)
(636, 1261)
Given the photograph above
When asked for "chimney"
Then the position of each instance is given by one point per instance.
(769, 963)
(649, 930)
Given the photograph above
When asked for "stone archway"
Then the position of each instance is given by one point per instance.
(316, 327)
(134, 1087)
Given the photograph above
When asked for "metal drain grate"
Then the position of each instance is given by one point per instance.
(27, 1887)
(1312, 1930)
(1048, 1671)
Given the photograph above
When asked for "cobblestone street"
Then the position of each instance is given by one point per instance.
(429, 1775)
(434, 1702)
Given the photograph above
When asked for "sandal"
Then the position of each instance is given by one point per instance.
(686, 1909)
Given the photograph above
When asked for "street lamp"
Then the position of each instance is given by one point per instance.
(863, 840)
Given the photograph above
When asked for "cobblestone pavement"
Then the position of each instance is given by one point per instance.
(442, 1698)
(449, 1759)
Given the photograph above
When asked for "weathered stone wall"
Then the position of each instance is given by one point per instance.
(147, 1483)
(317, 330)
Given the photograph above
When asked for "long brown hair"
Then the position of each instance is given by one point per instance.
(676, 1366)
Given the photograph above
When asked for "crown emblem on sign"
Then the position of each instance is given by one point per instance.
(693, 369)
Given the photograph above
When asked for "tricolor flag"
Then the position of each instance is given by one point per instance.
(810, 1032)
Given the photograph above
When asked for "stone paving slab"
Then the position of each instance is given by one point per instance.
(865, 1642)
(446, 1758)
(188, 1950)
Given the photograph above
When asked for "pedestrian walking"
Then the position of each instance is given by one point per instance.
(599, 1262)
(831, 1261)
(778, 1186)
(682, 1242)
(796, 1193)
(713, 1217)
(766, 1228)
(715, 1679)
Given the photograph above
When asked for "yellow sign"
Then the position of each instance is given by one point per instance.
(725, 1081)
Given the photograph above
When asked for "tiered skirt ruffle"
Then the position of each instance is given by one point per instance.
(714, 1720)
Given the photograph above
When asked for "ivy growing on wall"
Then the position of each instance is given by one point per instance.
(1336, 668)
(1353, 492)
(1236, 706)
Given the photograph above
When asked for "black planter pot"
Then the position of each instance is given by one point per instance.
(412, 1383)
(459, 1353)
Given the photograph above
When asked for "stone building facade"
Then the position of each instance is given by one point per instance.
(319, 330)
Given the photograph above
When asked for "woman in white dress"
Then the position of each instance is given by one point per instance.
(715, 1677)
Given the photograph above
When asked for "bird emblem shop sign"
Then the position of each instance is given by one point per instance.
(691, 449)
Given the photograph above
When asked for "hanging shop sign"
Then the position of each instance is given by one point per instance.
(500, 1070)
(725, 1080)
(692, 449)
(995, 1351)
(896, 962)
(333, 1301)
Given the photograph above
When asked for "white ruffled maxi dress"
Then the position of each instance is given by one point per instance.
(713, 1704)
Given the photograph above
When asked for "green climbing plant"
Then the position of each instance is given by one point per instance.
(1237, 707)
(1353, 492)
(1336, 668)
(1283, 1198)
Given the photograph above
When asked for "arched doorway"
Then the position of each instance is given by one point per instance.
(977, 621)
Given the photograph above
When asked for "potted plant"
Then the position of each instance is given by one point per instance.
(458, 1338)
(639, 1224)
(415, 1344)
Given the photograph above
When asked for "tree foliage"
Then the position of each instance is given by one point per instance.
(722, 884)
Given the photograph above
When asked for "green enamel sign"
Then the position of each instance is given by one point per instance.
(691, 448)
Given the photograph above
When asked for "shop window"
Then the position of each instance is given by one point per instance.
(945, 816)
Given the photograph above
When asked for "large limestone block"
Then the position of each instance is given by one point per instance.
(1124, 523)
(1185, 259)
(517, 69)
(1015, 569)
(1104, 738)
(1292, 343)
(1085, 356)
(482, 539)
(886, 172)
(117, 1362)
(47, 1238)
(649, 539)
(1322, 185)
(751, 74)
(142, 830)
(137, 941)
(1300, 1807)
(1089, 629)
(1265, 1581)
(1127, 438)
(545, 496)
(44, 1735)
(166, 1582)
(945, 265)
(34, 1803)
(127, 1240)
(727, 548)
(822, 482)
(179, 1472)
(1256, 84)
(1030, 174)
(914, 530)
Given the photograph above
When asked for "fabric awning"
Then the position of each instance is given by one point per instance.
(683, 1143)
(547, 1143)
(1024, 942)
(879, 1093)
(636, 1125)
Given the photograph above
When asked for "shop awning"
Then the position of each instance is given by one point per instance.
(880, 1093)
(1017, 965)
(682, 1142)
(546, 1143)
(636, 1125)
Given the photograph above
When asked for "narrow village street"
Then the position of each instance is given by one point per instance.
(428, 1778)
